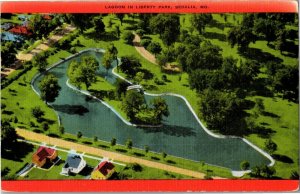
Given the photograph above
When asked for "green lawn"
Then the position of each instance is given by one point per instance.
(284, 123)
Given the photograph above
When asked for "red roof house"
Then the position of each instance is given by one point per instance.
(103, 171)
(44, 154)
(47, 17)
(23, 30)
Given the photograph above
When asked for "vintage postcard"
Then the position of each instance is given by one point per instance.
(150, 96)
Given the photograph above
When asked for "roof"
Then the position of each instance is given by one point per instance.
(105, 167)
(44, 152)
(20, 30)
(73, 161)
(10, 37)
(47, 17)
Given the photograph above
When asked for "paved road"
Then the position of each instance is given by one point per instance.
(29, 135)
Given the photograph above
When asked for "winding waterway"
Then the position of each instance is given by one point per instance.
(181, 134)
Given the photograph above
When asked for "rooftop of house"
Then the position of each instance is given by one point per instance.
(73, 161)
(44, 152)
(105, 167)
(20, 30)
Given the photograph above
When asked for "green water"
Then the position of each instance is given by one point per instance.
(181, 135)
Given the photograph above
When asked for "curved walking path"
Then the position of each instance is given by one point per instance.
(149, 56)
(29, 135)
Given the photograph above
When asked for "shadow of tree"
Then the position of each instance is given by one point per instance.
(258, 55)
(172, 130)
(71, 109)
(214, 35)
(105, 36)
(86, 171)
(283, 158)
(17, 152)
(131, 22)
(269, 114)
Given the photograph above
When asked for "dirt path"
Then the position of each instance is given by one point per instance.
(41, 47)
(29, 135)
(149, 56)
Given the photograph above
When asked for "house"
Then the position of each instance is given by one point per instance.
(44, 155)
(23, 30)
(74, 164)
(103, 171)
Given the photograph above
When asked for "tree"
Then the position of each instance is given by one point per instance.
(121, 87)
(83, 71)
(201, 79)
(138, 78)
(146, 149)
(241, 36)
(39, 26)
(199, 21)
(167, 26)
(128, 37)
(267, 171)
(37, 112)
(270, 146)
(154, 48)
(113, 141)
(49, 88)
(81, 21)
(120, 16)
(256, 171)
(117, 30)
(79, 134)
(294, 175)
(8, 135)
(99, 25)
(160, 108)
(164, 154)
(259, 105)
(61, 130)
(8, 54)
(132, 103)
(114, 52)
(208, 56)
(286, 80)
(222, 111)
(95, 138)
(129, 144)
(130, 65)
(107, 60)
(40, 62)
(45, 126)
(245, 165)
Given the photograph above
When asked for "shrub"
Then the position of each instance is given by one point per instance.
(129, 144)
(37, 112)
(73, 50)
(79, 134)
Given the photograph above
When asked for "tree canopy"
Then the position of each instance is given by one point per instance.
(167, 26)
(8, 135)
(130, 65)
(200, 21)
(49, 88)
(83, 72)
(8, 54)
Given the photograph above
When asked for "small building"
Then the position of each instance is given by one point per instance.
(44, 155)
(22, 30)
(103, 171)
(74, 164)
(6, 26)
